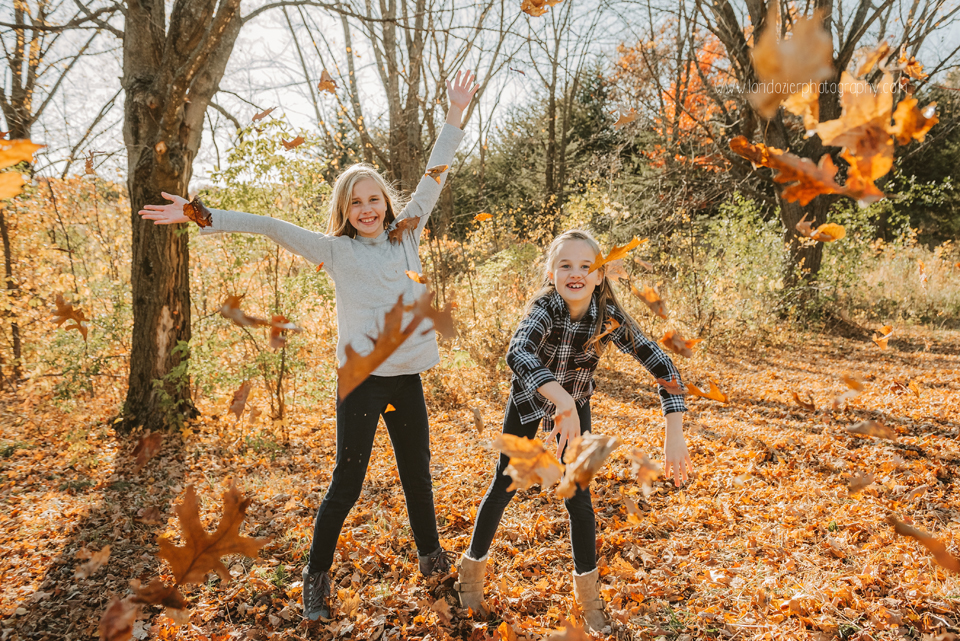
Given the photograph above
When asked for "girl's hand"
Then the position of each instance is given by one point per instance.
(566, 426)
(166, 214)
(676, 459)
(460, 92)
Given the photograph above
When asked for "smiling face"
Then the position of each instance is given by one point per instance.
(368, 206)
(572, 277)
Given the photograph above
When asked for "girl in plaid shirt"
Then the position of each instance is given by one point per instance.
(553, 355)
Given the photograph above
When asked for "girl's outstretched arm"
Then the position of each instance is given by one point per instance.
(313, 246)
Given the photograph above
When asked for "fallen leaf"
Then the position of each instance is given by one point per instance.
(149, 516)
(651, 297)
(872, 428)
(482, 216)
(146, 448)
(436, 172)
(569, 632)
(584, 457)
(263, 114)
(807, 405)
(117, 621)
(714, 394)
(617, 253)
(529, 462)
(296, 142)
(95, 562)
(327, 83)
(442, 608)
(156, 593)
(673, 341)
(65, 312)
(645, 469)
(625, 118)
(239, 400)
(407, 224)
(927, 540)
(198, 213)
(417, 278)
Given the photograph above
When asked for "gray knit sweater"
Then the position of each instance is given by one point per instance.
(368, 273)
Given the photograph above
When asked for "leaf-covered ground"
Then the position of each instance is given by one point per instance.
(765, 542)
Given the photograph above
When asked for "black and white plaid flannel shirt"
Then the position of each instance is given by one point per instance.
(549, 346)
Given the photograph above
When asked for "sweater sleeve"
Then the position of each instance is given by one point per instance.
(522, 355)
(314, 246)
(652, 357)
(428, 190)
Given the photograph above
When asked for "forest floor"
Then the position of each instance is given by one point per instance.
(765, 542)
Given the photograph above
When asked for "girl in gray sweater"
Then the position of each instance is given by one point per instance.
(369, 274)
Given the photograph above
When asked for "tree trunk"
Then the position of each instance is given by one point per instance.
(169, 79)
(11, 286)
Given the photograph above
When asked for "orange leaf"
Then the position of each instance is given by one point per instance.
(537, 8)
(482, 216)
(279, 325)
(806, 104)
(65, 312)
(15, 151)
(858, 482)
(390, 408)
(927, 540)
(870, 57)
(11, 184)
(584, 457)
(263, 114)
(672, 387)
(608, 327)
(807, 405)
(326, 83)
(407, 224)
(201, 551)
(618, 252)
(117, 621)
(198, 213)
(651, 297)
(239, 400)
(675, 343)
(319, 267)
(625, 118)
(417, 278)
(569, 632)
(442, 318)
(296, 142)
(147, 447)
(529, 462)
(645, 469)
(872, 428)
(910, 123)
(804, 180)
(436, 172)
(885, 333)
(714, 394)
(95, 562)
(230, 309)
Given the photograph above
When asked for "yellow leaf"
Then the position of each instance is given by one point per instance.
(11, 184)
(14, 151)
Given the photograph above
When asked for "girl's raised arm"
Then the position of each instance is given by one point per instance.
(314, 246)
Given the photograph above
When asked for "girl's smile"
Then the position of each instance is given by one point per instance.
(368, 207)
(572, 277)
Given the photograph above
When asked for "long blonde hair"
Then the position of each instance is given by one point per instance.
(338, 222)
(605, 292)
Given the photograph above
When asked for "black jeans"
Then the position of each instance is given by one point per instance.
(583, 523)
(357, 418)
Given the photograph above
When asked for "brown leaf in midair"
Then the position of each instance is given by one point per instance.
(239, 401)
(672, 386)
(231, 310)
(95, 562)
(291, 144)
(537, 8)
(651, 297)
(807, 405)
(117, 621)
(608, 327)
(617, 253)
(156, 593)
(201, 551)
(584, 457)
(65, 312)
(625, 117)
(263, 114)
(529, 462)
(673, 341)
(872, 428)
(477, 419)
(146, 448)
(912, 123)
(804, 180)
(858, 482)
(615, 271)
(825, 233)
(327, 83)
(442, 318)
(645, 469)
(927, 540)
(402, 226)
(279, 326)
(436, 172)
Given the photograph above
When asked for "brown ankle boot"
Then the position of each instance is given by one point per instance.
(586, 587)
(469, 585)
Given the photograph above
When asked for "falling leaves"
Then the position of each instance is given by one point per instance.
(825, 233)
(807, 405)
(609, 327)
(327, 83)
(11, 184)
(402, 226)
(117, 622)
(617, 253)
(714, 394)
(858, 482)
(279, 326)
(477, 419)
(854, 389)
(872, 428)
(584, 457)
(569, 632)
(651, 297)
(529, 462)
(672, 386)
(239, 401)
(436, 172)
(674, 342)
(537, 8)
(625, 117)
(417, 278)
(146, 448)
(291, 144)
(95, 561)
(884, 334)
(16, 151)
(66, 312)
(934, 545)
(230, 309)
(645, 469)
(198, 213)
(263, 114)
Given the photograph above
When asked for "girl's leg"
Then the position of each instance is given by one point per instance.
(357, 418)
(583, 522)
(497, 498)
(410, 434)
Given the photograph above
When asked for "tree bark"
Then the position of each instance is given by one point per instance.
(169, 77)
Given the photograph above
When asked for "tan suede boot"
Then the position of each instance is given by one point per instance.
(586, 587)
(469, 586)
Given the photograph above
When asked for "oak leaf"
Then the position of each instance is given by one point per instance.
(673, 341)
(230, 309)
(537, 8)
(95, 561)
(11, 184)
(870, 57)
(436, 172)
(885, 333)
(872, 428)
(645, 469)
(65, 312)
(239, 401)
(608, 328)
(417, 278)
(296, 142)
(529, 462)
(442, 318)
(327, 83)
(910, 66)
(806, 104)
(408, 224)
(146, 448)
(825, 233)
(807, 405)
(617, 253)
(911, 123)
(117, 621)
(714, 394)
(927, 540)
(807, 57)
(15, 151)
(803, 180)
(263, 114)
(625, 118)
(584, 457)
(651, 297)
(482, 216)
(201, 551)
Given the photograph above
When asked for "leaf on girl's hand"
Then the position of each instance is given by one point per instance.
(826, 233)
(240, 399)
(617, 253)
(714, 394)
(319, 267)
(529, 462)
(872, 428)
(584, 457)
(15, 151)
(296, 142)
(327, 83)
(482, 216)
(645, 469)
(885, 333)
(807, 405)
(117, 621)
(677, 344)
(147, 447)
(201, 551)
(403, 225)
(858, 482)
(279, 326)
(95, 561)
(608, 327)
(198, 213)
(263, 114)
(436, 172)
(231, 310)
(807, 57)
(672, 386)
(927, 540)
(625, 118)
(417, 278)
(65, 312)
(651, 298)
(477, 419)
(569, 632)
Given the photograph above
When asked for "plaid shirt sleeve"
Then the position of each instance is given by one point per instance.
(652, 357)
(526, 342)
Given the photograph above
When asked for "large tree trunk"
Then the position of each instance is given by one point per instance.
(169, 79)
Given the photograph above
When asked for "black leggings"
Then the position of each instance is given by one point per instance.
(583, 523)
(357, 418)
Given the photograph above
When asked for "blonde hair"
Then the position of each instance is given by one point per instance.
(605, 292)
(338, 222)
